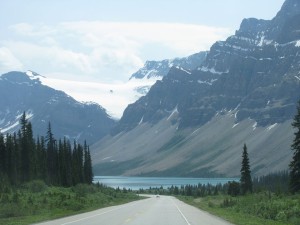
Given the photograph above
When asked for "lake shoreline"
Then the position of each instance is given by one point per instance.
(136, 183)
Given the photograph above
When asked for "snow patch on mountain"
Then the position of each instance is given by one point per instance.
(9, 127)
(182, 69)
(211, 70)
(272, 126)
(254, 126)
(175, 111)
(113, 97)
(207, 82)
(234, 125)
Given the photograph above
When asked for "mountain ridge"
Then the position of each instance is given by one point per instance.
(24, 92)
(251, 76)
(159, 69)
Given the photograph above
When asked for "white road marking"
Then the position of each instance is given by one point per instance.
(99, 214)
(187, 222)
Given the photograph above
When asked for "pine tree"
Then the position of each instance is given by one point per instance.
(16, 159)
(25, 149)
(32, 173)
(40, 159)
(295, 163)
(246, 181)
(68, 163)
(77, 164)
(11, 159)
(23, 159)
(3, 156)
(87, 166)
(52, 157)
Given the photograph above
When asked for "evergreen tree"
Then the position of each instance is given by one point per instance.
(32, 173)
(23, 159)
(16, 158)
(87, 166)
(77, 164)
(41, 160)
(11, 159)
(246, 181)
(52, 169)
(68, 163)
(61, 164)
(3, 156)
(25, 149)
(295, 163)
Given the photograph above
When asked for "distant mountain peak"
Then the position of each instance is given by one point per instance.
(289, 8)
(24, 91)
(21, 77)
(33, 75)
(159, 69)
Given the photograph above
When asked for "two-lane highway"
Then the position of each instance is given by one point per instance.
(163, 210)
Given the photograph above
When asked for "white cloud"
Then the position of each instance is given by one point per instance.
(8, 61)
(183, 38)
(38, 30)
(50, 58)
(103, 51)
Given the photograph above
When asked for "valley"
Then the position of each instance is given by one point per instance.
(187, 116)
(148, 112)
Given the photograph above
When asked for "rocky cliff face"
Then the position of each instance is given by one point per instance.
(255, 72)
(24, 92)
(246, 90)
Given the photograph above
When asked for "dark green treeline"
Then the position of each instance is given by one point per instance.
(57, 162)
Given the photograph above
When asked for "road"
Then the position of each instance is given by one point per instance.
(163, 210)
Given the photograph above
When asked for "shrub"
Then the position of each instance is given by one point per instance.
(281, 216)
(81, 190)
(211, 204)
(11, 210)
(234, 188)
(36, 186)
(228, 203)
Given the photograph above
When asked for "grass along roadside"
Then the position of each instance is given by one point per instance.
(35, 202)
(255, 209)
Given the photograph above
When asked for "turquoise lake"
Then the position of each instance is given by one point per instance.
(136, 183)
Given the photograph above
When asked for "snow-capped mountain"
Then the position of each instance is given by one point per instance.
(159, 69)
(75, 120)
(153, 71)
(115, 97)
(194, 123)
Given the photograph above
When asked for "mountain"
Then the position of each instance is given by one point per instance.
(194, 123)
(159, 69)
(153, 71)
(75, 120)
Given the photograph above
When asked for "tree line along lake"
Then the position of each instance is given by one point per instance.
(136, 183)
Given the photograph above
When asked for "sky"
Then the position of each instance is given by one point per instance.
(90, 48)
(107, 41)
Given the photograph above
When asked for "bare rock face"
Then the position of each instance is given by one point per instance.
(256, 72)
(195, 122)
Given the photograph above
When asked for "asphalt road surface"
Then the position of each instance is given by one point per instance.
(163, 210)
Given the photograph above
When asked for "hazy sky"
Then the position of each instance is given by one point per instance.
(106, 41)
